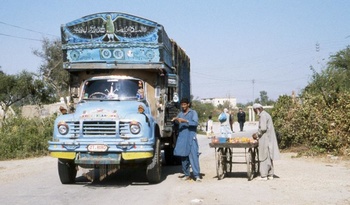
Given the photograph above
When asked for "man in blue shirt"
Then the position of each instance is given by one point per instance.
(187, 143)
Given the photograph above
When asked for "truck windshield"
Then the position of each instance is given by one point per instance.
(116, 89)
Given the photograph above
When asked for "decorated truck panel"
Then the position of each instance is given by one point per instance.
(126, 79)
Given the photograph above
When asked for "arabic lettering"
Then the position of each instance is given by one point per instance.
(89, 29)
(131, 29)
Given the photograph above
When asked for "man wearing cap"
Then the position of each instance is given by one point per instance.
(187, 144)
(268, 147)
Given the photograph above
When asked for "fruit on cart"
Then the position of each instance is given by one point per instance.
(214, 140)
(241, 140)
(253, 141)
(233, 140)
(244, 139)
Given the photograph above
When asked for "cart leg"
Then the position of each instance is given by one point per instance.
(256, 161)
(249, 160)
(228, 160)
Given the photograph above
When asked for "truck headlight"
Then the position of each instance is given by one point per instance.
(135, 128)
(62, 128)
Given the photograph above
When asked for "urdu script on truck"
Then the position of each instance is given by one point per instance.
(126, 79)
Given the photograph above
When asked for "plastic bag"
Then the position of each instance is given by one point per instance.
(222, 117)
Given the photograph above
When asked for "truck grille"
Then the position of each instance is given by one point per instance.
(124, 128)
(73, 127)
(93, 128)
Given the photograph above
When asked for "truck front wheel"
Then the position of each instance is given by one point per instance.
(67, 171)
(153, 171)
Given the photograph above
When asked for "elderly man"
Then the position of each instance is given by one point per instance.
(268, 148)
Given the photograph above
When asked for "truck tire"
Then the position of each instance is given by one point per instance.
(154, 170)
(67, 171)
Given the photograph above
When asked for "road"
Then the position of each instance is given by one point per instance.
(297, 181)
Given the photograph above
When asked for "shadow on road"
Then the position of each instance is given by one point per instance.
(134, 175)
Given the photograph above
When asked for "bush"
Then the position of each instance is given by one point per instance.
(22, 138)
(314, 123)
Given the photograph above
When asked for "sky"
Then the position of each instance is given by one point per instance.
(237, 47)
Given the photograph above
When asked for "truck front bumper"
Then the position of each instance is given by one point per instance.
(114, 152)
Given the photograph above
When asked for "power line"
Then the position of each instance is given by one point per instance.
(42, 33)
(32, 39)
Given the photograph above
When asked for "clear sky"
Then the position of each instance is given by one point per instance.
(237, 47)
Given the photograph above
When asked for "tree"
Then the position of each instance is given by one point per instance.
(341, 60)
(332, 80)
(15, 88)
(203, 110)
(264, 99)
(227, 105)
(55, 78)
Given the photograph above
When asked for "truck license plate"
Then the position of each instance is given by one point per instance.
(97, 148)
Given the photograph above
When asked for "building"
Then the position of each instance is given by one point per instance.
(220, 101)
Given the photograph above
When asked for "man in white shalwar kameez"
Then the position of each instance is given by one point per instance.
(268, 147)
(225, 129)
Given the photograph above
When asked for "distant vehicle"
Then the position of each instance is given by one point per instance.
(126, 79)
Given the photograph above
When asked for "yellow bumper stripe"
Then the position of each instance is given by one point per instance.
(63, 155)
(136, 155)
(126, 156)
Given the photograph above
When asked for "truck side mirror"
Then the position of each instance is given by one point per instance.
(176, 98)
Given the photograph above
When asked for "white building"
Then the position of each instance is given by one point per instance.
(220, 101)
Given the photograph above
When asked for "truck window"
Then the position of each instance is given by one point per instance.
(113, 89)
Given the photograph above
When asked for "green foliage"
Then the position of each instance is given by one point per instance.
(23, 138)
(204, 110)
(320, 118)
(22, 89)
(15, 89)
(313, 123)
(283, 119)
(264, 99)
(55, 79)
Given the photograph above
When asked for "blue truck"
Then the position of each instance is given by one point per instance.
(126, 79)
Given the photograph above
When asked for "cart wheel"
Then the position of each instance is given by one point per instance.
(220, 163)
(228, 160)
(250, 170)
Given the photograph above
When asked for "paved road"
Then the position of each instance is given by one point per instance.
(298, 181)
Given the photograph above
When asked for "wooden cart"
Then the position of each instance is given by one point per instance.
(225, 152)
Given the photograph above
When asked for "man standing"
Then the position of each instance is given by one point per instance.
(225, 124)
(268, 147)
(187, 144)
(241, 119)
(231, 120)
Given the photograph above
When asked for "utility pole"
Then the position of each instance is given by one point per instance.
(253, 82)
